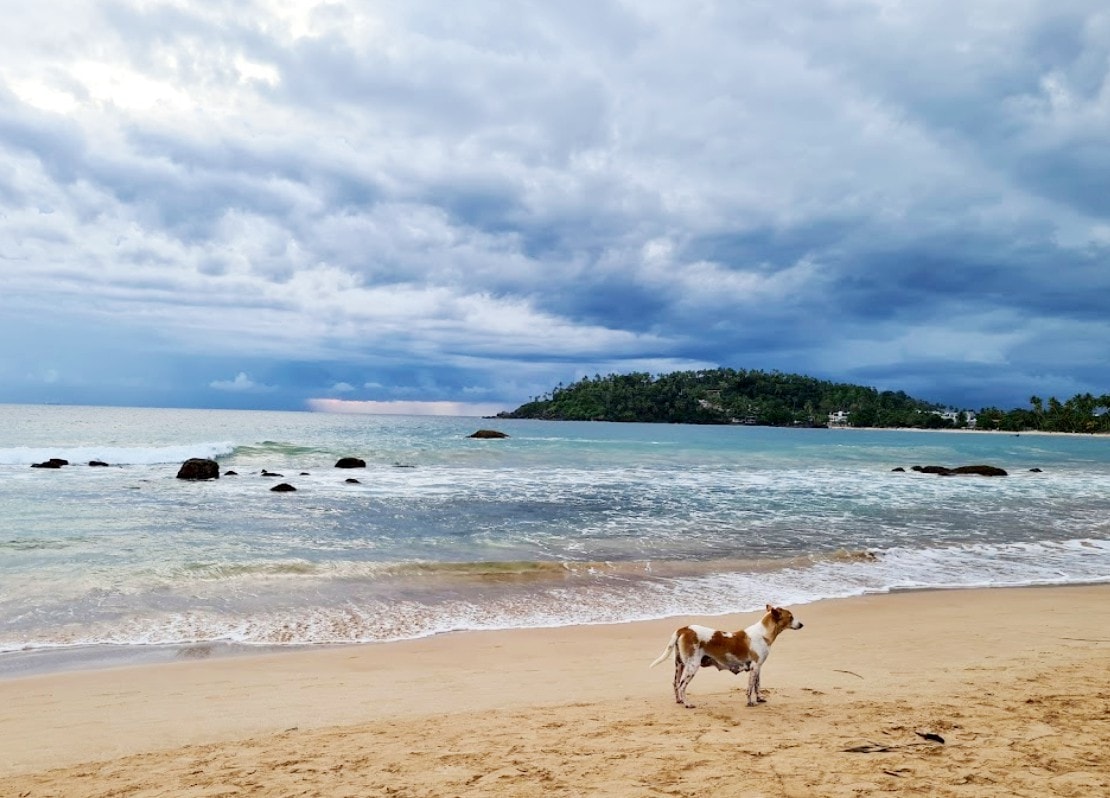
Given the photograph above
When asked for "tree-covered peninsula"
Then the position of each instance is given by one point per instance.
(728, 396)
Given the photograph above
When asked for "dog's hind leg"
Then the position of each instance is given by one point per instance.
(684, 677)
(677, 677)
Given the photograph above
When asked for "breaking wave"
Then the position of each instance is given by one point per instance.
(438, 598)
(116, 455)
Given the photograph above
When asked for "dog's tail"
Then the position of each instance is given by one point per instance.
(667, 651)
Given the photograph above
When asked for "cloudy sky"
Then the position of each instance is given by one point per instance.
(271, 203)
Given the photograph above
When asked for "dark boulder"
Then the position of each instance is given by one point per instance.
(352, 481)
(283, 487)
(898, 468)
(53, 462)
(350, 462)
(230, 473)
(977, 470)
(1035, 471)
(98, 463)
(488, 433)
(981, 470)
(199, 468)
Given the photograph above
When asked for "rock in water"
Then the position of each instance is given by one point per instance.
(199, 468)
(488, 433)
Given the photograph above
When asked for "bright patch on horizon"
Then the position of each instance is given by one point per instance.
(402, 408)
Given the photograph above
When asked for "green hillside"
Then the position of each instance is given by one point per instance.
(726, 396)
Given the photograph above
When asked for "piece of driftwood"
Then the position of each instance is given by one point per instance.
(871, 747)
(936, 738)
(1087, 639)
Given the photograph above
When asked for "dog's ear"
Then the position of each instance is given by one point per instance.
(770, 608)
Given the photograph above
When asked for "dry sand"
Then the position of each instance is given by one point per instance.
(1016, 682)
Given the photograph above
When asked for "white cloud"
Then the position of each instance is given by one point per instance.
(241, 384)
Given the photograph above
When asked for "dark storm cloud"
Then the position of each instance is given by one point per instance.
(476, 201)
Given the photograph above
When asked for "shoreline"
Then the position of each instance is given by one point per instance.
(64, 659)
(576, 710)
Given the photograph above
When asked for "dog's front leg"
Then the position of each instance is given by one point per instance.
(753, 685)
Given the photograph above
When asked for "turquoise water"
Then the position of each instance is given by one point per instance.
(563, 522)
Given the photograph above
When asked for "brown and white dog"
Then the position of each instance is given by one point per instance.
(695, 646)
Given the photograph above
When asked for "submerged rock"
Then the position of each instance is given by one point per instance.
(283, 487)
(487, 433)
(53, 462)
(981, 470)
(932, 469)
(350, 462)
(977, 470)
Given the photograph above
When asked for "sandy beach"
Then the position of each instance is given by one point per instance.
(1016, 682)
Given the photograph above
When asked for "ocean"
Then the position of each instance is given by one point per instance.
(560, 523)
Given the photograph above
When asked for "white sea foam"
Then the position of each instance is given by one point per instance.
(587, 600)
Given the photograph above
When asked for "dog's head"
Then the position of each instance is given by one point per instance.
(783, 619)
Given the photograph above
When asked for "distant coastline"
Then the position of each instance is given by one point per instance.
(727, 396)
(1005, 433)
